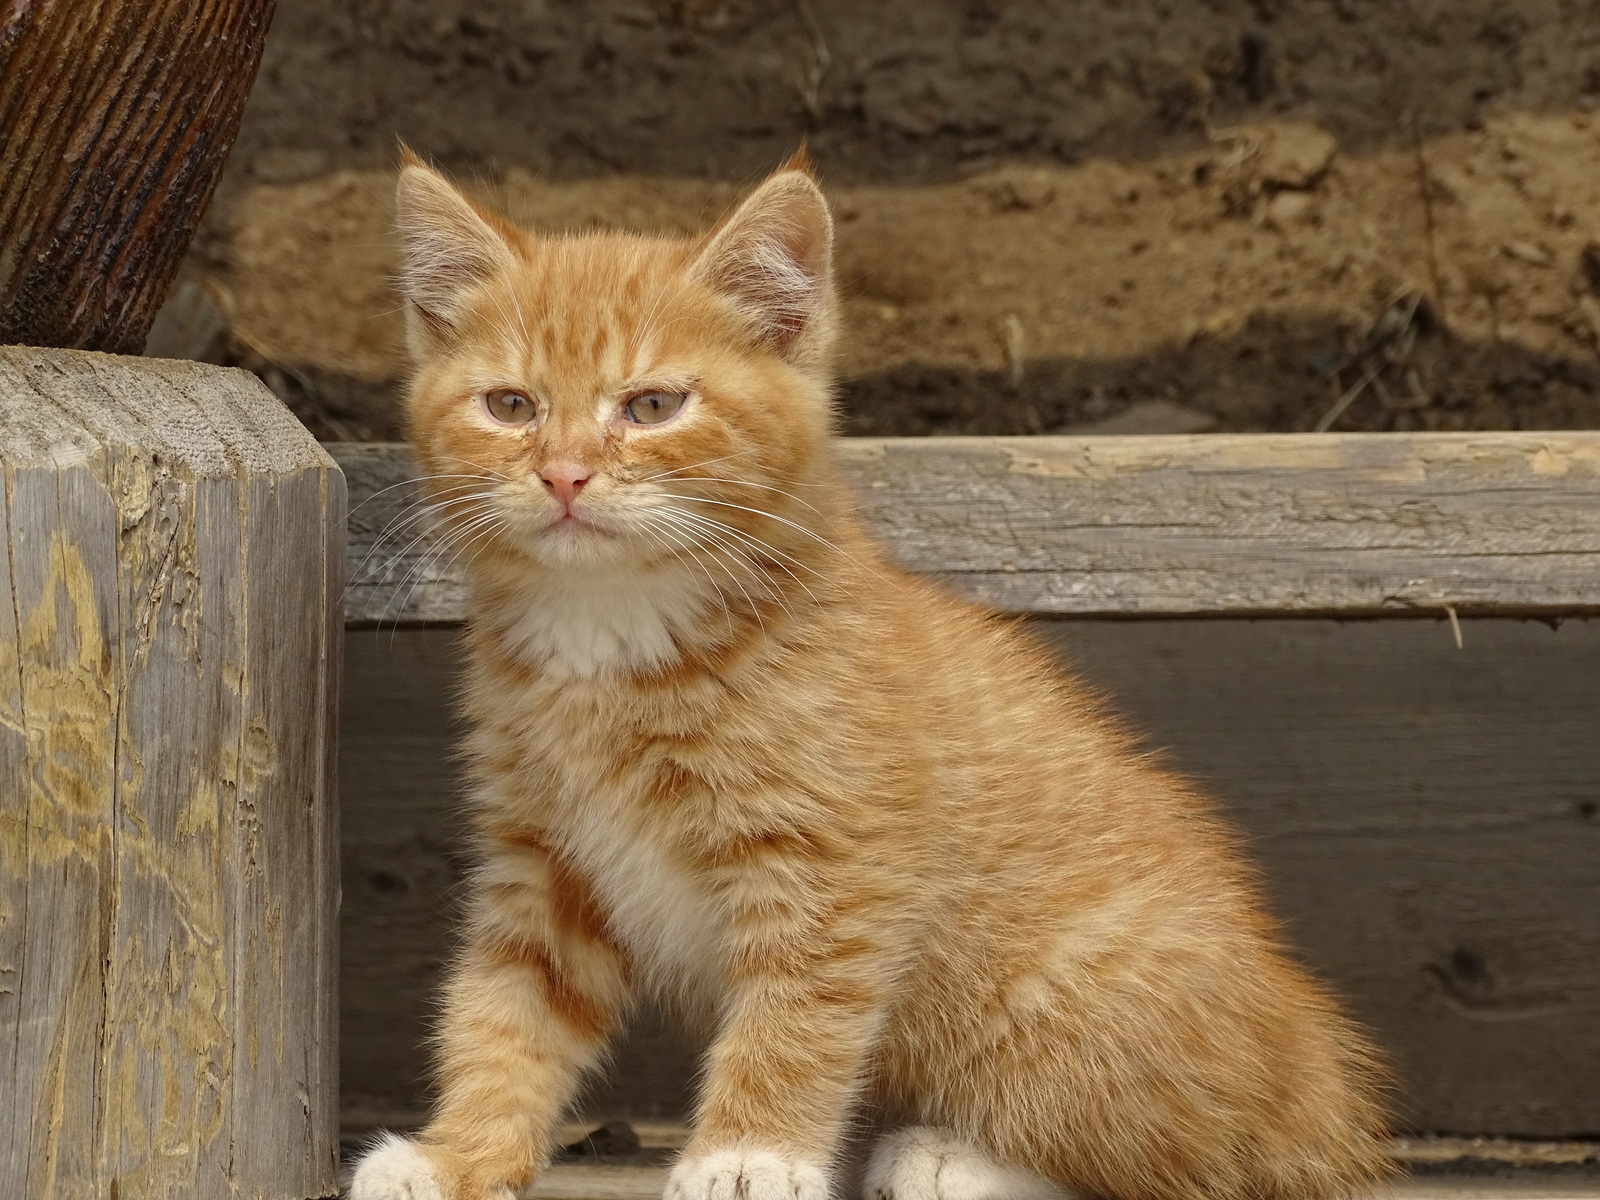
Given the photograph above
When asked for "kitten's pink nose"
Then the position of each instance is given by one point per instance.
(564, 480)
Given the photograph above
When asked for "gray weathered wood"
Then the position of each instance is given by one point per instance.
(1428, 819)
(170, 645)
(1348, 524)
(574, 1181)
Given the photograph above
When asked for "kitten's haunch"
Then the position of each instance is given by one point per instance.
(723, 751)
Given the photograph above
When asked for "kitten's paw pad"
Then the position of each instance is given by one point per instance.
(929, 1164)
(746, 1175)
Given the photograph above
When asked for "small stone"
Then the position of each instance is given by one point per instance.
(1529, 253)
(1288, 209)
(1295, 156)
(1016, 189)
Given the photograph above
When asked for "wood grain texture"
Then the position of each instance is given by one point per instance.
(1428, 820)
(1337, 524)
(115, 121)
(573, 1181)
(169, 664)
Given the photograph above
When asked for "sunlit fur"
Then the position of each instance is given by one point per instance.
(724, 752)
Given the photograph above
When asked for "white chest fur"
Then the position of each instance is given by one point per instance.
(583, 622)
(663, 917)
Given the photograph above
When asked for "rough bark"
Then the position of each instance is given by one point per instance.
(115, 121)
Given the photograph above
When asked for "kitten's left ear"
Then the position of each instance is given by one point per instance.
(773, 257)
(450, 249)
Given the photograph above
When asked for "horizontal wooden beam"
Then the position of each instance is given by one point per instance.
(1249, 524)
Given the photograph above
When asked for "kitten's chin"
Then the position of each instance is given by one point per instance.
(578, 544)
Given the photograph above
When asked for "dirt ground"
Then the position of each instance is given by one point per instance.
(1140, 217)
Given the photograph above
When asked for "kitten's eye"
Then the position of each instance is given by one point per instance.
(508, 406)
(652, 408)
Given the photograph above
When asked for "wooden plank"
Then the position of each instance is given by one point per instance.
(1346, 524)
(165, 759)
(401, 862)
(572, 1181)
(1428, 819)
(168, 827)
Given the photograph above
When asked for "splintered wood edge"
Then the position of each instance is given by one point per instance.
(1484, 524)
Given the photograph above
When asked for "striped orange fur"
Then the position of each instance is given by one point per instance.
(724, 752)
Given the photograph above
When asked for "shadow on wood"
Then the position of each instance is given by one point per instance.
(1426, 816)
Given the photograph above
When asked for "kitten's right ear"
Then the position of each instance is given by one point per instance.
(773, 257)
(449, 248)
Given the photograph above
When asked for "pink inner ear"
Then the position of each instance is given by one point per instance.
(773, 257)
(778, 283)
(449, 248)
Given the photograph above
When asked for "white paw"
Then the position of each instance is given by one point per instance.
(746, 1175)
(930, 1164)
(394, 1169)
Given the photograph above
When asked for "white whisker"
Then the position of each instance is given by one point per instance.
(734, 553)
(411, 483)
(678, 548)
(760, 512)
(755, 609)
(705, 463)
(428, 531)
(418, 511)
(438, 501)
(760, 547)
(499, 475)
(486, 528)
(429, 561)
(766, 487)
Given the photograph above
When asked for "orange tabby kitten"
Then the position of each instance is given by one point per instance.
(723, 750)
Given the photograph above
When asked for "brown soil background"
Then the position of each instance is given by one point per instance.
(1143, 217)
(1148, 215)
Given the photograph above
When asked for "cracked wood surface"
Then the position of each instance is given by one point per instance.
(1305, 524)
(169, 665)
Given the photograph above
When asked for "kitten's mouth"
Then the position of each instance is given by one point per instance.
(571, 522)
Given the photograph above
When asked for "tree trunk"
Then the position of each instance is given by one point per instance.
(171, 557)
(115, 119)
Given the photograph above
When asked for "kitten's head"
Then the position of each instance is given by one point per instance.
(609, 399)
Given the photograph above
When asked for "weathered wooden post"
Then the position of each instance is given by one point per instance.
(171, 545)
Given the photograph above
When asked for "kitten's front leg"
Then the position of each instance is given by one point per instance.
(538, 990)
(804, 1009)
